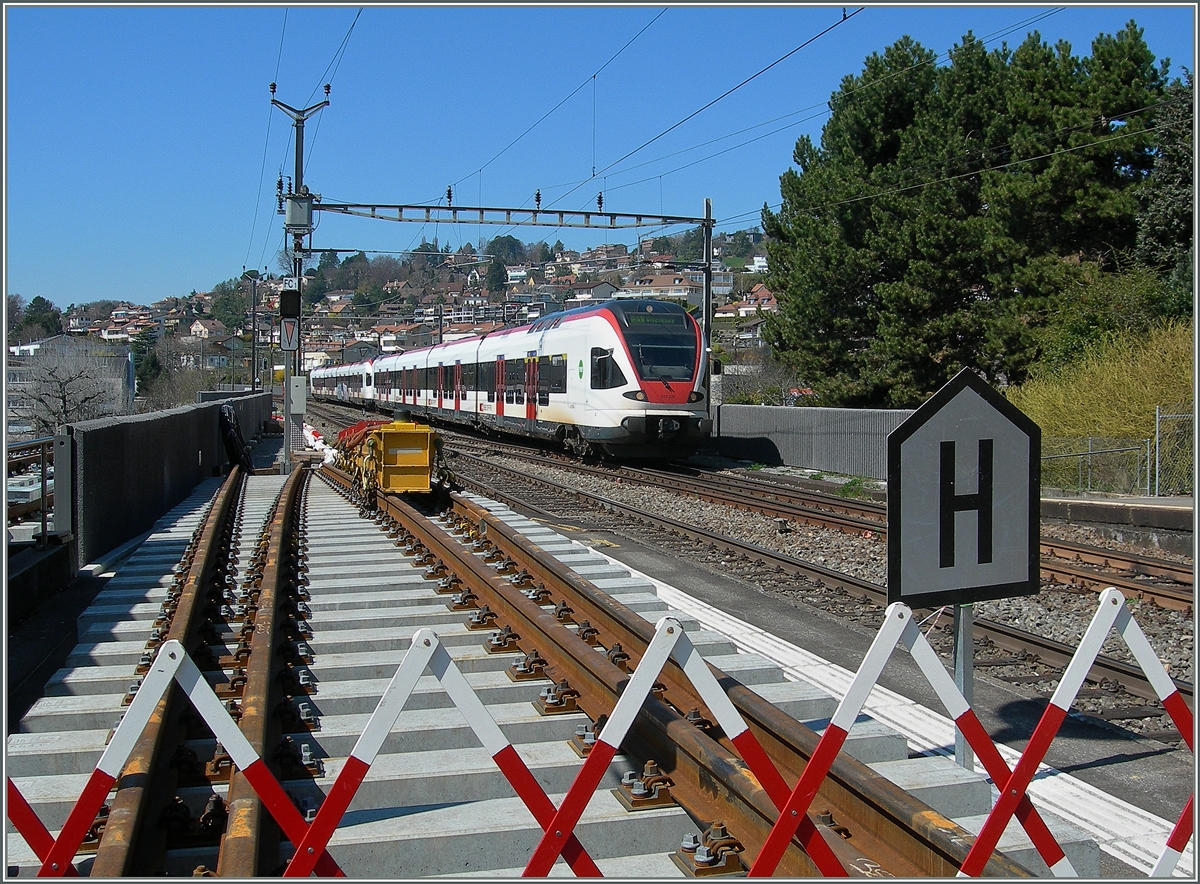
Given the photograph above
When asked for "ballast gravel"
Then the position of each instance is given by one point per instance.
(1057, 612)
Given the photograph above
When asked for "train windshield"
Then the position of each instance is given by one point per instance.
(661, 339)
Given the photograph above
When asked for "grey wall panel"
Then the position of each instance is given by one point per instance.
(836, 440)
(128, 471)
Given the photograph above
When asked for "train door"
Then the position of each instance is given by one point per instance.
(499, 386)
(457, 385)
(531, 391)
(441, 383)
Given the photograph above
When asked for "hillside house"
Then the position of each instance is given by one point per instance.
(208, 328)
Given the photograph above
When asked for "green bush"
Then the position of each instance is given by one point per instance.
(1113, 389)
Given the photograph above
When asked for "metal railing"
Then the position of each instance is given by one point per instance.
(1115, 466)
(21, 457)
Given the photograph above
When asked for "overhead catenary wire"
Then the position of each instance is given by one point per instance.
(542, 119)
(331, 70)
(821, 108)
(721, 97)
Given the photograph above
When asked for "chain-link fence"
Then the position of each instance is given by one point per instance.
(1101, 464)
(1174, 468)
(1161, 466)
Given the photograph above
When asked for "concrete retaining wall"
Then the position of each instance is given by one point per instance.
(850, 441)
(127, 471)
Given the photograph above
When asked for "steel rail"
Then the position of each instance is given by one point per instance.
(711, 782)
(251, 844)
(1103, 669)
(1178, 598)
(133, 841)
(862, 800)
(861, 517)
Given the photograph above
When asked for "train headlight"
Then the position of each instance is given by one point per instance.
(695, 396)
(639, 395)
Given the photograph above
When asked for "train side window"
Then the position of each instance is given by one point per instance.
(606, 374)
(487, 379)
(552, 375)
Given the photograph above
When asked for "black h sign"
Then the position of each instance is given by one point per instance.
(966, 450)
(951, 503)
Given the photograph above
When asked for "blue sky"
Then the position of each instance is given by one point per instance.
(142, 151)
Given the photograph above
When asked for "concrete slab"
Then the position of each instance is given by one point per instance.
(869, 740)
(799, 699)
(444, 777)
(49, 754)
(420, 729)
(475, 836)
(1080, 849)
(951, 790)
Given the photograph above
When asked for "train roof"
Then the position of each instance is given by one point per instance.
(619, 306)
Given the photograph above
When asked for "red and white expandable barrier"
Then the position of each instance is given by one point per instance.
(427, 652)
(670, 639)
(1111, 612)
(170, 664)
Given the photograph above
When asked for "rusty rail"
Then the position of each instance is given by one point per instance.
(251, 844)
(900, 834)
(133, 842)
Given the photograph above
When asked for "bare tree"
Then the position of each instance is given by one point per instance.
(755, 377)
(182, 377)
(68, 389)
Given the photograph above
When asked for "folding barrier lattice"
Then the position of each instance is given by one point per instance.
(671, 640)
(1112, 612)
(170, 664)
(558, 824)
(426, 651)
(898, 626)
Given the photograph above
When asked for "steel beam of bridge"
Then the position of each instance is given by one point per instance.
(524, 217)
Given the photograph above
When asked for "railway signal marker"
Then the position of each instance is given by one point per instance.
(289, 334)
(964, 498)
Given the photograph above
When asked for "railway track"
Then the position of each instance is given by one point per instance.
(1166, 583)
(1019, 655)
(298, 612)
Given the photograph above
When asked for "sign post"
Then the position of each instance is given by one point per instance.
(289, 342)
(964, 510)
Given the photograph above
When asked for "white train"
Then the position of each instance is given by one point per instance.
(623, 378)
